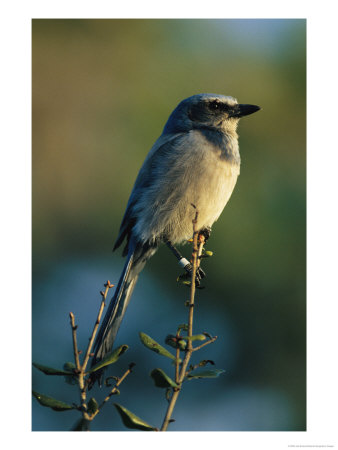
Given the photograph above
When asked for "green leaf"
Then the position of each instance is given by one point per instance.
(131, 421)
(196, 337)
(182, 344)
(204, 362)
(208, 335)
(50, 371)
(161, 379)
(50, 402)
(93, 406)
(70, 379)
(207, 254)
(155, 346)
(69, 366)
(110, 358)
(200, 373)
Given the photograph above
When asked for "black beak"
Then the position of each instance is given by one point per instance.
(243, 110)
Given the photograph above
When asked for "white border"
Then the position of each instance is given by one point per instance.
(322, 218)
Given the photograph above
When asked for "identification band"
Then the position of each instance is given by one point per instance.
(183, 262)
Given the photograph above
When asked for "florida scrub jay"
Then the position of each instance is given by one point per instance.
(195, 161)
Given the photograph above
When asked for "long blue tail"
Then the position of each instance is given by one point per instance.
(136, 260)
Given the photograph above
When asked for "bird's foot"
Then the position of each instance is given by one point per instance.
(205, 232)
(199, 273)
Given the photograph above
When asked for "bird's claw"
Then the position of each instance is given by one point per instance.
(205, 232)
(199, 273)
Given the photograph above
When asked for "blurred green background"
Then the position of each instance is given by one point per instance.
(102, 92)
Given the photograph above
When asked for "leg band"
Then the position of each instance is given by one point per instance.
(183, 262)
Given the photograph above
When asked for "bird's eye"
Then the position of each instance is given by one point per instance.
(214, 105)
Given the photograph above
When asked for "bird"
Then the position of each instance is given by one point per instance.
(195, 161)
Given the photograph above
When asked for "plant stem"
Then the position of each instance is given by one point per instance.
(213, 339)
(81, 369)
(177, 365)
(75, 347)
(111, 393)
(83, 396)
(198, 242)
(96, 326)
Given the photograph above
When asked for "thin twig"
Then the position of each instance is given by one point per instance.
(96, 326)
(177, 365)
(205, 343)
(75, 347)
(112, 392)
(80, 373)
(198, 242)
(80, 369)
(193, 278)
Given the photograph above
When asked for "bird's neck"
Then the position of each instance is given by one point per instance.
(223, 141)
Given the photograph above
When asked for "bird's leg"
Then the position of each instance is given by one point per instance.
(183, 262)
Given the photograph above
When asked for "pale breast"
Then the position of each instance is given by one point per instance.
(197, 172)
(210, 188)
